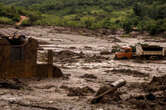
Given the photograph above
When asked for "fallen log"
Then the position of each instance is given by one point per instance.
(113, 87)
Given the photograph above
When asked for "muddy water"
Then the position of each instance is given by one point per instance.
(82, 57)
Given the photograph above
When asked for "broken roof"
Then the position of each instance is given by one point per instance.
(14, 39)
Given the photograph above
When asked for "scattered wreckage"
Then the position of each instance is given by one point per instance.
(110, 89)
(150, 51)
(141, 51)
(18, 59)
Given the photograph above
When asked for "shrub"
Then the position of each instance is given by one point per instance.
(87, 21)
(127, 26)
(5, 20)
(26, 23)
(153, 27)
(50, 20)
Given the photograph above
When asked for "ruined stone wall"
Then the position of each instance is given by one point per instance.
(4, 57)
(23, 68)
(30, 58)
(20, 61)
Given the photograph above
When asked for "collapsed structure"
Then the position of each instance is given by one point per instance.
(18, 59)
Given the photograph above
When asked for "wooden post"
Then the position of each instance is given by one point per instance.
(50, 57)
(50, 63)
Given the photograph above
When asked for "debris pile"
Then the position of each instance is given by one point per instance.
(14, 38)
(105, 52)
(77, 91)
(90, 76)
(157, 84)
(67, 56)
(149, 101)
(110, 97)
(114, 38)
(154, 97)
(12, 84)
(70, 56)
(130, 72)
(95, 58)
(109, 93)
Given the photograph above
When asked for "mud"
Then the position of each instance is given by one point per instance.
(85, 91)
(13, 84)
(148, 102)
(67, 56)
(83, 54)
(105, 52)
(113, 97)
(157, 83)
(129, 72)
(91, 76)
(153, 98)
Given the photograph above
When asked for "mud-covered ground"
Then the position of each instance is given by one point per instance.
(87, 63)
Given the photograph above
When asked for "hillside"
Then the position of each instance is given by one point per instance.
(145, 15)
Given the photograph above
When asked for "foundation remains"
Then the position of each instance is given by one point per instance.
(18, 59)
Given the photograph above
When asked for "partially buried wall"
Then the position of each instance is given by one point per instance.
(18, 60)
(47, 70)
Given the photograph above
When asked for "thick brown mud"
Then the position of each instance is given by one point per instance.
(87, 62)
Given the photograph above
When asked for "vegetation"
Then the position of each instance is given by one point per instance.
(10, 14)
(142, 15)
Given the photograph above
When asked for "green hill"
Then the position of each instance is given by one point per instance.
(144, 15)
(10, 14)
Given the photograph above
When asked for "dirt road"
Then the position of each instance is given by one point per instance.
(86, 69)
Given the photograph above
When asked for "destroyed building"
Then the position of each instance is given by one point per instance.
(18, 59)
